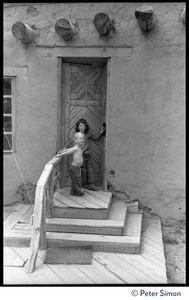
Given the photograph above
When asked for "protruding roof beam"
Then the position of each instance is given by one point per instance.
(23, 32)
(145, 17)
(65, 29)
(103, 24)
(183, 16)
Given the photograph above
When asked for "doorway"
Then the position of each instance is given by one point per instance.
(84, 95)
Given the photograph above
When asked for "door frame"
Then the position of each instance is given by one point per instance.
(61, 107)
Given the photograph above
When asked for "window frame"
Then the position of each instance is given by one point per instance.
(12, 96)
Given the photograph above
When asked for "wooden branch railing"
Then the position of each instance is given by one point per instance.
(49, 179)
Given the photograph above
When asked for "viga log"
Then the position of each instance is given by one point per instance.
(65, 29)
(23, 32)
(103, 24)
(183, 15)
(145, 17)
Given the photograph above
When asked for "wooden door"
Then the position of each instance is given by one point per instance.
(84, 96)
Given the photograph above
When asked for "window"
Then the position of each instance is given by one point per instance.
(8, 126)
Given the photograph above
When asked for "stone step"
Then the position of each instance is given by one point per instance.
(93, 205)
(114, 225)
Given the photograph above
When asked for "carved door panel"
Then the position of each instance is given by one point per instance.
(84, 96)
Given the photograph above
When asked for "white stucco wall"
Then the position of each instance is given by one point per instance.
(146, 105)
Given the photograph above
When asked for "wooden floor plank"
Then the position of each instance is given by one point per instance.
(104, 196)
(119, 258)
(42, 274)
(10, 258)
(149, 241)
(153, 219)
(151, 227)
(23, 226)
(66, 275)
(154, 225)
(112, 278)
(23, 252)
(143, 278)
(12, 220)
(58, 203)
(107, 243)
(111, 265)
(8, 209)
(84, 279)
(79, 200)
(86, 222)
(93, 238)
(110, 227)
(95, 200)
(94, 274)
(152, 222)
(150, 235)
(157, 234)
(17, 233)
(153, 259)
(152, 251)
(26, 218)
(147, 267)
(80, 213)
(66, 201)
(15, 275)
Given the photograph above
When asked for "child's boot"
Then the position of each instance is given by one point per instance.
(92, 187)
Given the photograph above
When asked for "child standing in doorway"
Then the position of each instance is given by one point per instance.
(87, 172)
(77, 161)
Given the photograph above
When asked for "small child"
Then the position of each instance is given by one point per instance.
(75, 168)
(87, 172)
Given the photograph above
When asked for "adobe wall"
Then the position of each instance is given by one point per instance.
(146, 97)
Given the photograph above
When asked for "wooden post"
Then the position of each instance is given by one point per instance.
(145, 17)
(43, 238)
(39, 217)
(23, 32)
(48, 200)
(35, 238)
(103, 24)
(65, 29)
(58, 171)
(62, 179)
(51, 194)
(183, 16)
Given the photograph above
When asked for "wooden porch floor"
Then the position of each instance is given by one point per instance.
(148, 267)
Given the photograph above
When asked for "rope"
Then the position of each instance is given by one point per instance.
(18, 167)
